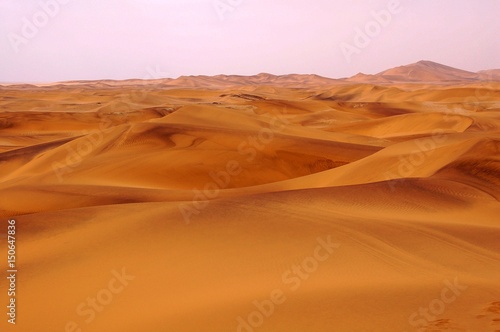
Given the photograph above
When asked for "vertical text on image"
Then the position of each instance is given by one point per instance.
(11, 271)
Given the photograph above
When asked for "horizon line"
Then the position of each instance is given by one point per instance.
(227, 75)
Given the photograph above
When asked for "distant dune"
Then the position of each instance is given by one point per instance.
(261, 203)
(490, 75)
(420, 72)
(425, 72)
(428, 71)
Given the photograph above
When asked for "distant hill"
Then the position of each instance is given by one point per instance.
(490, 75)
(292, 80)
(420, 72)
(424, 71)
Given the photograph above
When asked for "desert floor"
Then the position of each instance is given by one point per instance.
(353, 207)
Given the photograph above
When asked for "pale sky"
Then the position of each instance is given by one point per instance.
(56, 40)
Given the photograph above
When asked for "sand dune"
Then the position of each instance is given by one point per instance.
(426, 71)
(490, 75)
(258, 207)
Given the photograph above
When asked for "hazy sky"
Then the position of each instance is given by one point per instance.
(54, 40)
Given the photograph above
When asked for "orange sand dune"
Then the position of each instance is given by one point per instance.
(253, 206)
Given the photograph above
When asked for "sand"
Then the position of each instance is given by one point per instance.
(338, 207)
